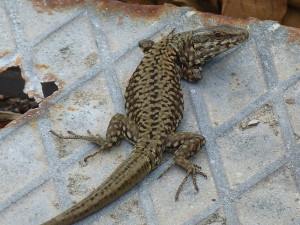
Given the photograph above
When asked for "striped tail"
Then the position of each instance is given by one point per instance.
(126, 176)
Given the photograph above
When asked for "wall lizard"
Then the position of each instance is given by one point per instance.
(154, 107)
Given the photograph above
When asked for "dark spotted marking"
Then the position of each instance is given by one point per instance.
(154, 105)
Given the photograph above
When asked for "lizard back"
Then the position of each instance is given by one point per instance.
(154, 104)
(154, 98)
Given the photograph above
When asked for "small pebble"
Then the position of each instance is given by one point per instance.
(244, 125)
(253, 122)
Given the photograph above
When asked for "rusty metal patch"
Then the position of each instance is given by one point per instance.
(210, 19)
(134, 10)
(104, 6)
(48, 6)
(294, 35)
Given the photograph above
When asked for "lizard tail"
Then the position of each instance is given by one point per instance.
(126, 176)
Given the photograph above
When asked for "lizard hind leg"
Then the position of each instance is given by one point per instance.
(119, 127)
(95, 139)
(185, 146)
(192, 169)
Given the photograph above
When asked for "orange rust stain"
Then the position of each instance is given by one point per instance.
(120, 21)
(72, 109)
(52, 77)
(294, 35)
(110, 6)
(25, 117)
(290, 101)
(210, 19)
(41, 66)
(48, 6)
(45, 104)
(230, 84)
(58, 107)
(4, 54)
(238, 84)
(150, 12)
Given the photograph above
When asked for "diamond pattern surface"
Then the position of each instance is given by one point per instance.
(246, 106)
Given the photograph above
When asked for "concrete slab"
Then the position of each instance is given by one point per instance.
(247, 106)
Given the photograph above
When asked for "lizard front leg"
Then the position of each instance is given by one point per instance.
(189, 66)
(185, 145)
(191, 73)
(146, 44)
(119, 127)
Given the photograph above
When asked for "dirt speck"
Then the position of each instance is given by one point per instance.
(263, 115)
(290, 101)
(76, 184)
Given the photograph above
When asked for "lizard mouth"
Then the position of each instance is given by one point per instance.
(243, 37)
(246, 35)
(238, 39)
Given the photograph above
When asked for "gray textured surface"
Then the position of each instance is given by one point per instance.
(253, 173)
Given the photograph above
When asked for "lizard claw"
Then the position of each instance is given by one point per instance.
(92, 155)
(192, 171)
(58, 135)
(72, 133)
(54, 133)
(92, 135)
(89, 132)
(64, 137)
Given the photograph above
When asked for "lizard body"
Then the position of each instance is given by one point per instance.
(154, 107)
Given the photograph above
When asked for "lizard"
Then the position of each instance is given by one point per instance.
(154, 108)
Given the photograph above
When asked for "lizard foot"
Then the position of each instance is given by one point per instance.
(92, 138)
(93, 154)
(192, 171)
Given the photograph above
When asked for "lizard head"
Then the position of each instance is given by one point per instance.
(210, 41)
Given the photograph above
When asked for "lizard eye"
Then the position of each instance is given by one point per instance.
(218, 35)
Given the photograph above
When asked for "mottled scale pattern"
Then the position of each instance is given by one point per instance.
(154, 107)
(153, 96)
